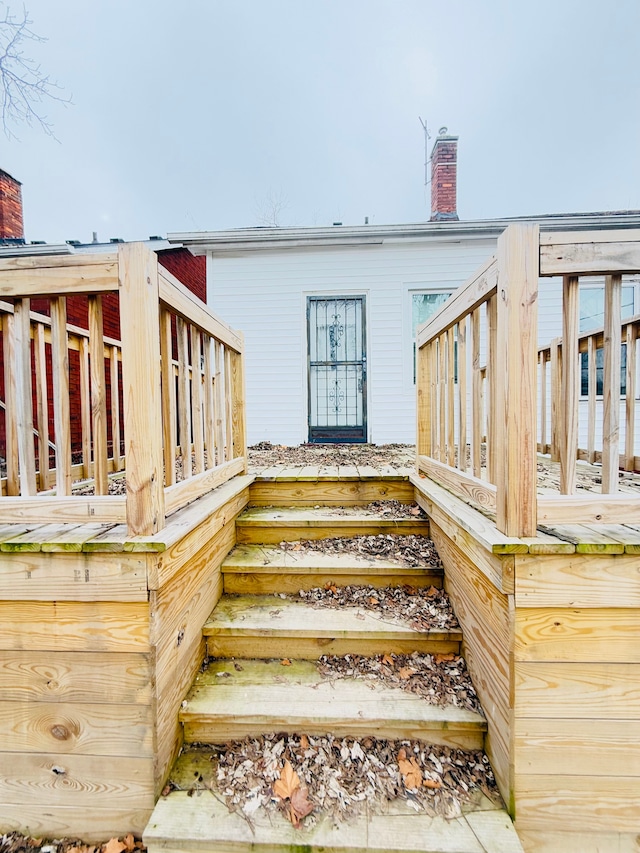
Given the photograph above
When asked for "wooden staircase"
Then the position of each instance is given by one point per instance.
(247, 691)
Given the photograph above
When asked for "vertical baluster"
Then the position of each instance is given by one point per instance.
(495, 374)
(42, 398)
(442, 396)
(10, 410)
(630, 424)
(61, 407)
(476, 396)
(570, 385)
(114, 353)
(169, 414)
(196, 400)
(209, 402)
(228, 428)
(462, 394)
(450, 386)
(592, 375)
(184, 409)
(24, 398)
(433, 396)
(98, 396)
(543, 401)
(85, 406)
(219, 397)
(556, 398)
(611, 388)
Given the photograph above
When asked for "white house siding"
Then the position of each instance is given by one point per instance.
(264, 293)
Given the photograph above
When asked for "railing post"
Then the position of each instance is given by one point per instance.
(140, 333)
(423, 401)
(238, 406)
(516, 386)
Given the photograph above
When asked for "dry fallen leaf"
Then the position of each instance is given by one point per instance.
(431, 783)
(415, 510)
(300, 805)
(287, 783)
(285, 662)
(388, 659)
(304, 742)
(113, 846)
(406, 672)
(411, 772)
(373, 601)
(443, 658)
(129, 842)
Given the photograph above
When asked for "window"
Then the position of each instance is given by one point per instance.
(592, 317)
(423, 306)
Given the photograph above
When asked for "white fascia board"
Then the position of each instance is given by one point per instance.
(260, 239)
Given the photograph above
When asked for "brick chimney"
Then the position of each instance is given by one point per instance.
(11, 224)
(444, 168)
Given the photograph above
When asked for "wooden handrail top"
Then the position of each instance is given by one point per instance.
(35, 262)
(478, 288)
(597, 333)
(590, 252)
(186, 304)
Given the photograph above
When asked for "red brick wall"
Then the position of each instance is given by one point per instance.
(11, 225)
(444, 167)
(189, 269)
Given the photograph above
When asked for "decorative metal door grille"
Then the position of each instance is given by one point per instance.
(337, 369)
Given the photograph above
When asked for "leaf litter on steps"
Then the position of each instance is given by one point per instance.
(339, 777)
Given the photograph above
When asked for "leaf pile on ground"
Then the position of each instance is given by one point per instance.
(379, 509)
(408, 550)
(265, 454)
(439, 679)
(425, 609)
(305, 776)
(13, 842)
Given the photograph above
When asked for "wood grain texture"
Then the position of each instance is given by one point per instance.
(77, 781)
(59, 281)
(464, 485)
(24, 397)
(88, 577)
(577, 581)
(570, 384)
(581, 691)
(592, 748)
(592, 254)
(576, 802)
(485, 617)
(74, 626)
(82, 677)
(611, 383)
(98, 396)
(92, 825)
(545, 841)
(516, 401)
(138, 275)
(61, 406)
(180, 494)
(329, 492)
(82, 729)
(591, 634)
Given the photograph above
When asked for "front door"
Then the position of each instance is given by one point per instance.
(337, 368)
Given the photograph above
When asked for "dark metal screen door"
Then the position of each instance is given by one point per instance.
(337, 369)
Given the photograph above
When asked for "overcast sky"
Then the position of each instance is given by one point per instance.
(200, 114)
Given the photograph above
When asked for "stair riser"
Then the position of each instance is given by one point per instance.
(272, 533)
(221, 731)
(282, 580)
(310, 648)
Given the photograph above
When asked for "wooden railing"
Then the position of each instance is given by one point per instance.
(164, 404)
(484, 385)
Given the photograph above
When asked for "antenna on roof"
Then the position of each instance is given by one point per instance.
(427, 159)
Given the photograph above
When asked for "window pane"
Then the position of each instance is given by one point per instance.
(425, 305)
(592, 306)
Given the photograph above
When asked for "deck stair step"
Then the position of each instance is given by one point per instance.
(265, 569)
(191, 824)
(269, 525)
(235, 698)
(268, 626)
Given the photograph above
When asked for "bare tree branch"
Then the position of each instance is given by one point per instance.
(24, 87)
(271, 207)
